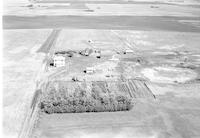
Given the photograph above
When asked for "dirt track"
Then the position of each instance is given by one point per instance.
(49, 42)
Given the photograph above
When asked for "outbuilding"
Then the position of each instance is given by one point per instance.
(98, 53)
(128, 51)
(89, 70)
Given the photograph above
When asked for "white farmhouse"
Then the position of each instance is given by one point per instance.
(58, 61)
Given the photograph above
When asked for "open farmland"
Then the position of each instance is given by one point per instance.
(103, 8)
(166, 117)
(162, 71)
(21, 68)
(164, 56)
(92, 68)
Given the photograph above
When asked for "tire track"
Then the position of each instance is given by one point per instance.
(138, 89)
(31, 117)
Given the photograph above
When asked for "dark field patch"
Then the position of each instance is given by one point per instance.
(101, 22)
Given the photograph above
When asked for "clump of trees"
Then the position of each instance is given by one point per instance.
(80, 101)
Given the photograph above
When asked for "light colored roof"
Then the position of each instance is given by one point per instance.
(115, 59)
(129, 50)
(90, 68)
(59, 58)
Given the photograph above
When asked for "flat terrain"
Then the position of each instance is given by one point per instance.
(102, 8)
(157, 51)
(104, 15)
(21, 66)
(103, 22)
(174, 112)
(168, 116)
(165, 41)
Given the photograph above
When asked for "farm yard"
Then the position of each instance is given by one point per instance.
(145, 78)
(126, 85)
(150, 55)
(113, 69)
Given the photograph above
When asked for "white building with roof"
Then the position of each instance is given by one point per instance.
(127, 51)
(58, 61)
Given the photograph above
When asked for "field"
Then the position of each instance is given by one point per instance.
(145, 84)
(155, 67)
(21, 68)
(102, 8)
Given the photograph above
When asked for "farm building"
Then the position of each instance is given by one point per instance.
(98, 53)
(114, 58)
(86, 52)
(89, 70)
(127, 51)
(59, 61)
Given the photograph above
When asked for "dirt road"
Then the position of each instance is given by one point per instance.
(50, 41)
